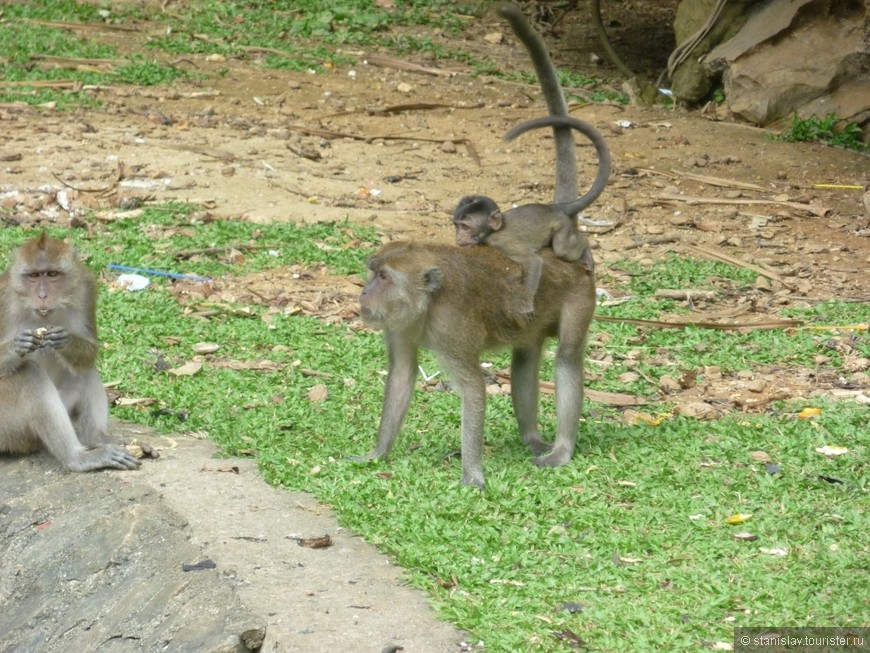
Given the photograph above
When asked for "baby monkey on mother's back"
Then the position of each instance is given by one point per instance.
(523, 231)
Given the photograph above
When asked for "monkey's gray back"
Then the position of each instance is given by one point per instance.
(482, 298)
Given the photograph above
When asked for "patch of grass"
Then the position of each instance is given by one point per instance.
(25, 44)
(309, 32)
(627, 547)
(829, 129)
(568, 79)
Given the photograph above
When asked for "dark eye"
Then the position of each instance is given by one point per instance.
(53, 273)
(33, 275)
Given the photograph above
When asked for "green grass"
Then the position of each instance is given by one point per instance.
(309, 34)
(23, 43)
(631, 536)
(828, 129)
(301, 36)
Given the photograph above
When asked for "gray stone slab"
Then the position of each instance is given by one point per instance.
(93, 562)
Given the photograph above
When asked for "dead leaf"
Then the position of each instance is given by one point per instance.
(760, 456)
(188, 369)
(774, 552)
(832, 450)
(637, 417)
(318, 393)
(314, 542)
(134, 401)
(696, 409)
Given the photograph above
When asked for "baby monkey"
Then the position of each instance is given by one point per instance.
(523, 231)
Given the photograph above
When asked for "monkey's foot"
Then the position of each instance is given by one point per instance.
(370, 456)
(537, 445)
(556, 458)
(473, 478)
(105, 455)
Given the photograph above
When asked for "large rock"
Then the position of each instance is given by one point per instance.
(809, 57)
(93, 562)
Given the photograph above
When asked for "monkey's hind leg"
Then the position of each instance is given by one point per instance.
(569, 373)
(89, 410)
(91, 426)
(525, 374)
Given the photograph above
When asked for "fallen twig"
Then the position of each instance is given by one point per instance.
(73, 84)
(329, 134)
(205, 151)
(658, 240)
(399, 64)
(609, 398)
(818, 211)
(85, 26)
(665, 293)
(401, 108)
(725, 258)
(190, 253)
(66, 62)
(703, 324)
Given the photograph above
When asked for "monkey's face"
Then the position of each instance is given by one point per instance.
(470, 231)
(40, 271)
(398, 293)
(384, 301)
(43, 289)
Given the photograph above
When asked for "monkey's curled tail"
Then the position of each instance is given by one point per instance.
(604, 163)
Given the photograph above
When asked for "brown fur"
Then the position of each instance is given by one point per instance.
(460, 302)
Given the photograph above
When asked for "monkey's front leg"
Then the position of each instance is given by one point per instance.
(471, 385)
(26, 342)
(80, 353)
(402, 372)
(55, 337)
(12, 352)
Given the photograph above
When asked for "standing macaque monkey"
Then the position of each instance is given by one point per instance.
(523, 231)
(51, 394)
(461, 301)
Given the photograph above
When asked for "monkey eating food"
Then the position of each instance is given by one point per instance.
(51, 394)
(523, 231)
(461, 301)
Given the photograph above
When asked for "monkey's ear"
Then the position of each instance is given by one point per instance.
(432, 279)
(496, 220)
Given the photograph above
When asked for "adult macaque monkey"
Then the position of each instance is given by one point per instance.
(523, 231)
(51, 394)
(460, 302)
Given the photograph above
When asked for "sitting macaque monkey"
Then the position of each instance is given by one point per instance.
(51, 394)
(524, 231)
(461, 301)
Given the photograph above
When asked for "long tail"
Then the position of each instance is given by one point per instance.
(548, 78)
(604, 163)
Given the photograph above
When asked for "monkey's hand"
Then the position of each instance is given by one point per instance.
(26, 342)
(55, 337)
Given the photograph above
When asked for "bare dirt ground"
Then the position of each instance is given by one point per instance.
(253, 143)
